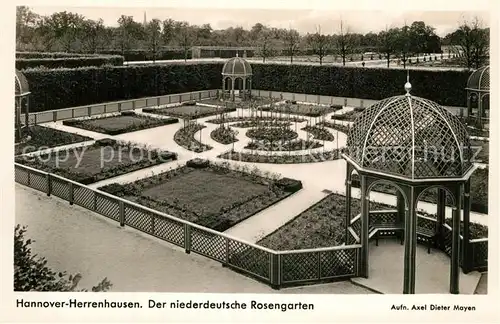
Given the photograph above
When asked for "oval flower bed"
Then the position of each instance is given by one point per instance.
(185, 138)
(271, 134)
(318, 133)
(295, 145)
(224, 135)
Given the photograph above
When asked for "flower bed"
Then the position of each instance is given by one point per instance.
(185, 138)
(44, 138)
(271, 134)
(300, 109)
(223, 135)
(255, 121)
(348, 116)
(213, 196)
(117, 124)
(341, 128)
(323, 225)
(104, 159)
(271, 123)
(295, 145)
(189, 111)
(318, 133)
(282, 159)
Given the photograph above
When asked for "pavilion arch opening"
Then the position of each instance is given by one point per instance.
(238, 84)
(485, 103)
(227, 84)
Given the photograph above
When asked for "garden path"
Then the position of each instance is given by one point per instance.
(96, 247)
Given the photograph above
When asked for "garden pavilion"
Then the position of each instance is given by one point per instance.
(478, 95)
(400, 141)
(22, 92)
(237, 78)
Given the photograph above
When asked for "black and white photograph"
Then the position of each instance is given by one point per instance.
(272, 152)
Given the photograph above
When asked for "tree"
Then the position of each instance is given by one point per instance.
(94, 34)
(403, 44)
(66, 27)
(472, 43)
(265, 45)
(153, 36)
(167, 34)
(128, 32)
(185, 38)
(32, 274)
(320, 44)
(344, 42)
(291, 42)
(25, 26)
(388, 42)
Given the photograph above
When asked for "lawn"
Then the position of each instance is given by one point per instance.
(300, 109)
(185, 111)
(45, 137)
(214, 196)
(97, 162)
(119, 124)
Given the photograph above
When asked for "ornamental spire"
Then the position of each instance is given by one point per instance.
(408, 84)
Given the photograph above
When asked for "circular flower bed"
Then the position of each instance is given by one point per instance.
(295, 145)
(224, 135)
(271, 134)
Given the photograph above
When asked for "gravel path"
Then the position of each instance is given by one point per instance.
(77, 240)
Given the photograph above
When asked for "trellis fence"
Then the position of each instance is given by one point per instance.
(473, 256)
(275, 268)
(118, 106)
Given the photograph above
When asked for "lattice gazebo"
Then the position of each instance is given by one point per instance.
(399, 141)
(237, 77)
(22, 92)
(478, 95)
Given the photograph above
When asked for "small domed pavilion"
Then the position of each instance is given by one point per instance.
(237, 78)
(413, 145)
(22, 92)
(478, 95)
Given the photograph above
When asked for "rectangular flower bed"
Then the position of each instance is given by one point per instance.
(189, 111)
(104, 159)
(213, 196)
(118, 124)
(45, 137)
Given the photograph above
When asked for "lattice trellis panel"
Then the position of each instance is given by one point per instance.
(479, 252)
(299, 267)
(356, 226)
(108, 207)
(412, 137)
(38, 181)
(382, 218)
(337, 263)
(169, 230)
(249, 258)
(426, 224)
(208, 244)
(479, 79)
(21, 175)
(138, 219)
(83, 196)
(60, 188)
(447, 240)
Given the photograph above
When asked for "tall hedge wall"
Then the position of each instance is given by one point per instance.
(143, 55)
(62, 88)
(38, 55)
(68, 62)
(443, 87)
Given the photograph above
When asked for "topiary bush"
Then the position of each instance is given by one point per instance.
(68, 62)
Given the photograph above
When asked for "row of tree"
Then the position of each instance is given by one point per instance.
(71, 32)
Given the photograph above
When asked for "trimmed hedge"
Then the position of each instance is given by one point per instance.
(144, 55)
(63, 88)
(443, 87)
(68, 62)
(39, 55)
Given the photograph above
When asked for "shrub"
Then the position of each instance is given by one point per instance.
(68, 62)
(39, 55)
(198, 163)
(289, 185)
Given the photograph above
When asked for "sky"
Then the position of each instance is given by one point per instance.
(303, 20)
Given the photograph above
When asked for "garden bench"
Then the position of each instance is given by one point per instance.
(376, 230)
(427, 235)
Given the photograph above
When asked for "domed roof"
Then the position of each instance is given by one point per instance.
(409, 137)
(479, 79)
(237, 66)
(22, 87)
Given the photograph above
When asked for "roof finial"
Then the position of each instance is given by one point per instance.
(408, 84)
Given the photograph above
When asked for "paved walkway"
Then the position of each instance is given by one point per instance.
(79, 241)
(432, 273)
